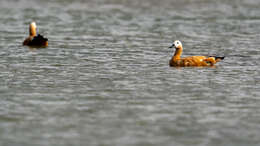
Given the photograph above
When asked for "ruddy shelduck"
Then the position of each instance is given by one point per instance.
(34, 39)
(177, 61)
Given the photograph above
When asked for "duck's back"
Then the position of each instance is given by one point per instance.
(38, 40)
(193, 61)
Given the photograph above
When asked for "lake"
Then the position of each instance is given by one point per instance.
(104, 79)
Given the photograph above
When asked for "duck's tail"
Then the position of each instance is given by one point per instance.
(218, 58)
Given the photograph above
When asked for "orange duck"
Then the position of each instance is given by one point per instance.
(177, 61)
(34, 39)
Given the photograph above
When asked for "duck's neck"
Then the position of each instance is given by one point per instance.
(32, 30)
(177, 54)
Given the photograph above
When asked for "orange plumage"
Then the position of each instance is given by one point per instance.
(34, 39)
(177, 61)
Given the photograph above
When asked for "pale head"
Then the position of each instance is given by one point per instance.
(176, 44)
(32, 29)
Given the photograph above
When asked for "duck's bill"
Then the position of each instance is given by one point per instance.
(172, 46)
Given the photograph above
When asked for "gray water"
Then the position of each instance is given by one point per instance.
(104, 80)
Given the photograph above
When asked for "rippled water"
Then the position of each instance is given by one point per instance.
(105, 79)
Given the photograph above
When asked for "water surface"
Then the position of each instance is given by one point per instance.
(105, 79)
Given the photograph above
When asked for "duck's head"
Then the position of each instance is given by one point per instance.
(177, 45)
(32, 29)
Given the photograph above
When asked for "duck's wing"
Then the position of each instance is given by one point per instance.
(195, 58)
(190, 61)
(39, 40)
(198, 61)
(213, 59)
(218, 58)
